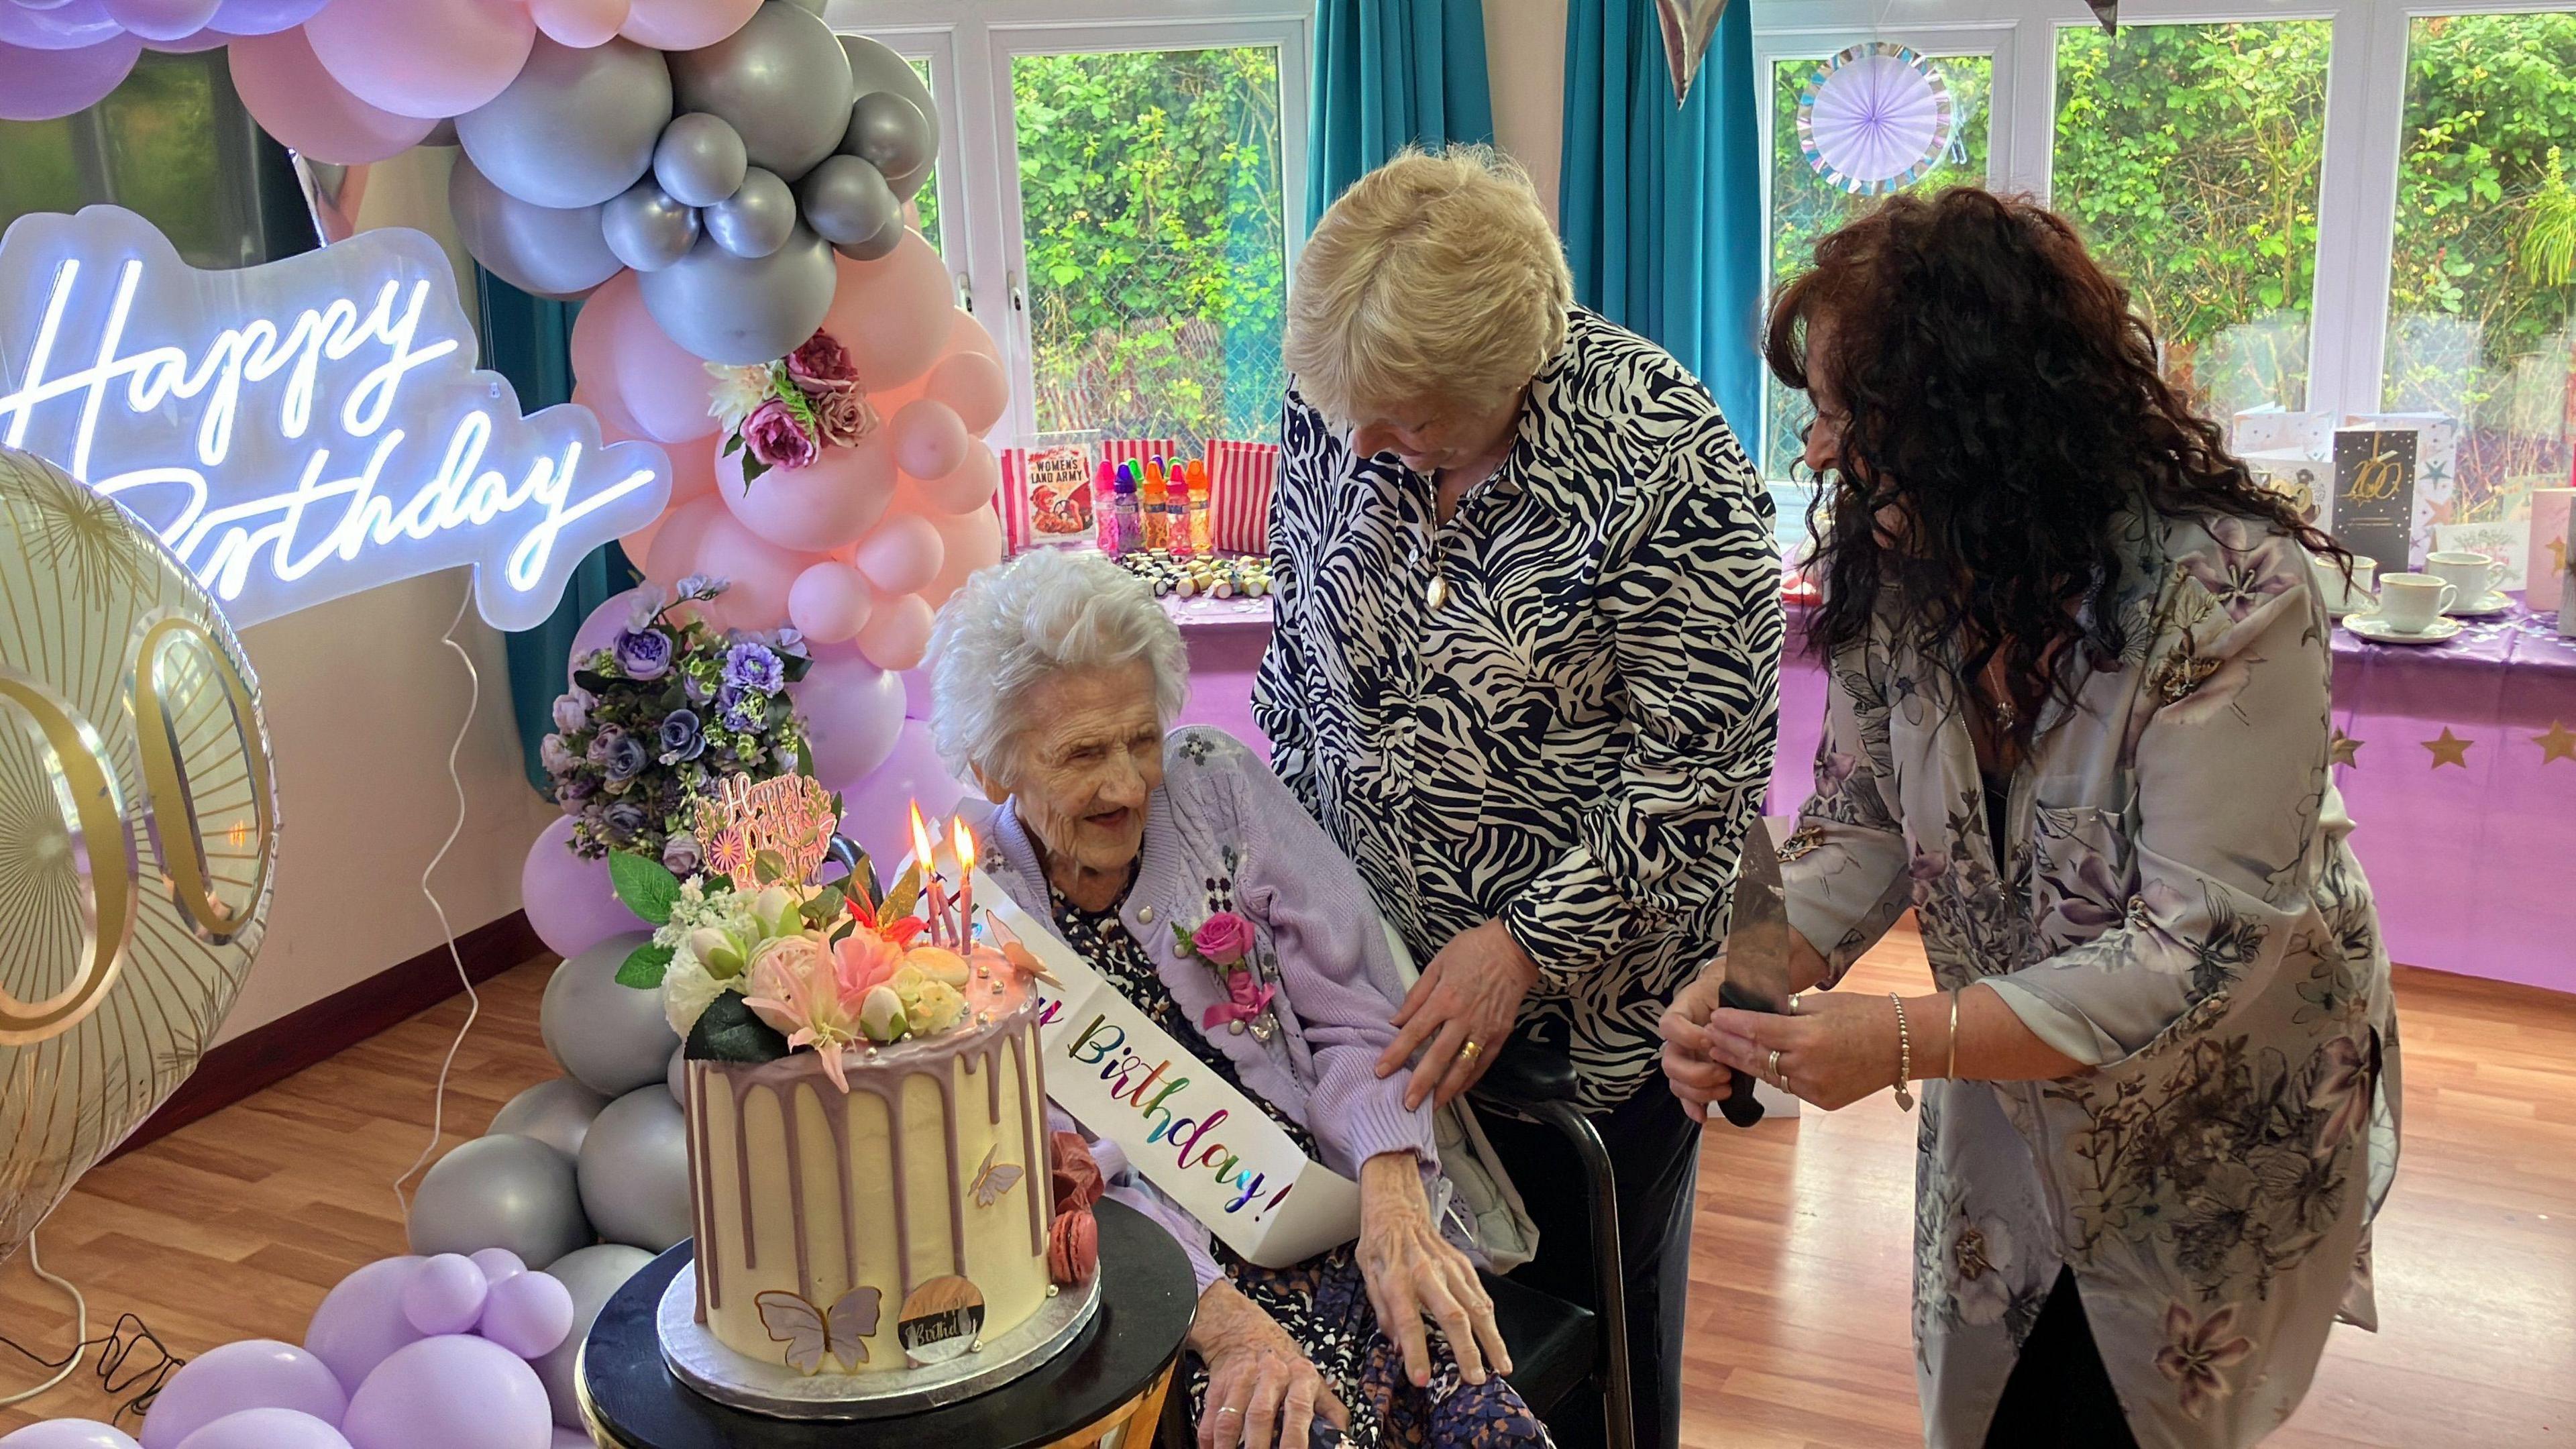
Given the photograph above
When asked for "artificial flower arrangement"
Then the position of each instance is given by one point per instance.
(654, 721)
(784, 413)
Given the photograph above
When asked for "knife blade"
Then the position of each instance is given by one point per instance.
(1757, 952)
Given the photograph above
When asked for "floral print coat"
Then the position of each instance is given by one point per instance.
(2175, 902)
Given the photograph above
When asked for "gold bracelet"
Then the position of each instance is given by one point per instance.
(1904, 1055)
(1951, 1074)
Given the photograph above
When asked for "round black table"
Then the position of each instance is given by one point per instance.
(1146, 1299)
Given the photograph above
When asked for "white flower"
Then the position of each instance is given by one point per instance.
(1981, 1259)
(737, 391)
(687, 991)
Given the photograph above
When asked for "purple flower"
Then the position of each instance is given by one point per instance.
(603, 742)
(789, 640)
(648, 603)
(682, 739)
(643, 653)
(776, 438)
(558, 761)
(680, 854)
(572, 711)
(822, 359)
(627, 759)
(625, 819)
(696, 689)
(575, 790)
(703, 586)
(754, 665)
(742, 711)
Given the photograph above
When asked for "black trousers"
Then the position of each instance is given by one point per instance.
(2059, 1393)
(1654, 1156)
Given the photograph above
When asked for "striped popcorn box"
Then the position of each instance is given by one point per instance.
(1240, 476)
(1115, 451)
(1011, 501)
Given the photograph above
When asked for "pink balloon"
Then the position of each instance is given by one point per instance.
(828, 504)
(972, 542)
(162, 19)
(266, 1429)
(897, 632)
(638, 545)
(38, 85)
(900, 555)
(973, 386)
(873, 809)
(425, 58)
(828, 602)
(445, 1294)
(619, 350)
(294, 99)
(361, 1320)
(454, 1391)
(580, 24)
(528, 1314)
(255, 1373)
(616, 425)
(570, 903)
(760, 573)
(68, 1433)
(685, 24)
(965, 334)
(968, 488)
(675, 546)
(693, 471)
(853, 712)
(893, 313)
(929, 440)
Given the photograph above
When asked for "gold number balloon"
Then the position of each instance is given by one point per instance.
(138, 828)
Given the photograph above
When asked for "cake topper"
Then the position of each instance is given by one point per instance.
(768, 832)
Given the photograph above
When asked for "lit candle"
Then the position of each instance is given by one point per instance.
(928, 864)
(964, 839)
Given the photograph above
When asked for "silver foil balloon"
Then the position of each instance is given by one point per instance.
(635, 1170)
(593, 1275)
(556, 1112)
(757, 219)
(874, 67)
(743, 310)
(610, 1038)
(534, 248)
(779, 80)
(678, 1079)
(500, 1192)
(577, 127)
(847, 200)
(700, 159)
(878, 247)
(891, 134)
(646, 228)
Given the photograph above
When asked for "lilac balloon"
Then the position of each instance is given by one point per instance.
(873, 809)
(190, 43)
(454, 1392)
(499, 1263)
(599, 628)
(853, 711)
(568, 1439)
(38, 85)
(263, 17)
(256, 1373)
(69, 1433)
(361, 1321)
(266, 1429)
(61, 27)
(161, 19)
(916, 693)
(528, 1314)
(445, 1294)
(569, 900)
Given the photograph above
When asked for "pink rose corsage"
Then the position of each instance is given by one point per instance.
(1246, 1001)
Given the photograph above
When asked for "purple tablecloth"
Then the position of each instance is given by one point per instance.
(2461, 781)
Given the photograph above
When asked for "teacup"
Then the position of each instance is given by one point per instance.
(2411, 603)
(2342, 597)
(2474, 574)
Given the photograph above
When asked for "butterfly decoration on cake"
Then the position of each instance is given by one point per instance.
(993, 1179)
(814, 1337)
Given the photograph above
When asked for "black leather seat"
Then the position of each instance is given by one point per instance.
(1554, 1344)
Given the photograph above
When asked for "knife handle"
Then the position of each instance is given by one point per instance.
(1740, 1106)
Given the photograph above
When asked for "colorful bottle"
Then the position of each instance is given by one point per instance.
(1158, 521)
(1202, 520)
(1124, 531)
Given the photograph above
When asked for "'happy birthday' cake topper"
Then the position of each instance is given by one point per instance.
(763, 833)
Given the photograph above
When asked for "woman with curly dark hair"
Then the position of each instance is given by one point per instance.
(2079, 724)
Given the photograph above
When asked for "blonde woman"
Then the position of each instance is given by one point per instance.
(1524, 674)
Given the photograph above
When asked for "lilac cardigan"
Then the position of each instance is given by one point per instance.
(1222, 814)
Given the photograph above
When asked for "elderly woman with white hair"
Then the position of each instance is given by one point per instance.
(1054, 682)
(1526, 674)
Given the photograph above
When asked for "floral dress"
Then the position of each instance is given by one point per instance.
(1323, 1302)
(2174, 904)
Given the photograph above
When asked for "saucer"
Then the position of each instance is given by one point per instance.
(2377, 631)
(2352, 602)
(2487, 608)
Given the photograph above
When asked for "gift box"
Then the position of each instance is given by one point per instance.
(2272, 431)
(1240, 477)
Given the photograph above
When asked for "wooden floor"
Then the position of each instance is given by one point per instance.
(234, 1227)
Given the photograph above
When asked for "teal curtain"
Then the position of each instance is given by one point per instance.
(529, 341)
(1661, 205)
(1388, 72)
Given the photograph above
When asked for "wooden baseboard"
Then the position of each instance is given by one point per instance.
(266, 1055)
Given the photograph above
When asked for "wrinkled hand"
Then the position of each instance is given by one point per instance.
(1698, 1079)
(1262, 1391)
(1413, 1272)
(1835, 1051)
(1472, 991)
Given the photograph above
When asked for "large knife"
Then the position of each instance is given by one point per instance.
(1757, 952)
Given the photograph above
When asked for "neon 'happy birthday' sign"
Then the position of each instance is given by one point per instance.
(306, 429)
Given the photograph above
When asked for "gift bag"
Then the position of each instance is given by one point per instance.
(1240, 477)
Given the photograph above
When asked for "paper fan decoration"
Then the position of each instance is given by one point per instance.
(1874, 118)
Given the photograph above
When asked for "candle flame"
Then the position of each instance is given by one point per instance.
(964, 840)
(921, 839)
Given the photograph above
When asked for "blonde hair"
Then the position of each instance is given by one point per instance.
(1435, 277)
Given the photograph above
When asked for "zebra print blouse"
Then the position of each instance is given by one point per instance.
(1576, 738)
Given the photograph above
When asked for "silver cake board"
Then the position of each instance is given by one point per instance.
(696, 1358)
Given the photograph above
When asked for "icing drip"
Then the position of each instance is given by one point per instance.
(837, 1111)
(702, 1201)
(956, 1185)
(796, 1218)
(740, 1091)
(1037, 1176)
(902, 1184)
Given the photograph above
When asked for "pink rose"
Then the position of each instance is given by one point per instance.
(776, 438)
(864, 961)
(821, 359)
(844, 415)
(1224, 939)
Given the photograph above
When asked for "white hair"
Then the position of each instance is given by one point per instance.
(1018, 623)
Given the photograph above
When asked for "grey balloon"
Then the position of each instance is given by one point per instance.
(779, 80)
(847, 200)
(743, 310)
(534, 248)
(646, 229)
(577, 127)
(556, 1113)
(700, 159)
(891, 134)
(592, 1276)
(500, 1192)
(810, 7)
(874, 67)
(756, 220)
(878, 247)
(634, 1170)
(612, 1038)
(678, 1078)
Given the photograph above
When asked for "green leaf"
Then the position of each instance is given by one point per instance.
(733, 444)
(727, 1031)
(644, 967)
(768, 866)
(646, 886)
(752, 468)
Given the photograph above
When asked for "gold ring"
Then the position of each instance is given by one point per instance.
(1776, 1078)
(1470, 1049)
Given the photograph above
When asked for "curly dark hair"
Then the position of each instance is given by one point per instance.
(1995, 386)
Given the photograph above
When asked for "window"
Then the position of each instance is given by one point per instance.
(927, 200)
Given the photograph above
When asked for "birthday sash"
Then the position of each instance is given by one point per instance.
(1206, 1145)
